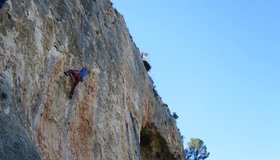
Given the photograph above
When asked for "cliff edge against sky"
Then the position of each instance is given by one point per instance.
(114, 113)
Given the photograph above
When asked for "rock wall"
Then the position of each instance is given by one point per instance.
(114, 113)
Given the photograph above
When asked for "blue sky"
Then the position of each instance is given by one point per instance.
(216, 63)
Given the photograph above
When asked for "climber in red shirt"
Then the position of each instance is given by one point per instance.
(77, 76)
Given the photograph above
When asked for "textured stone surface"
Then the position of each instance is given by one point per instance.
(114, 113)
(14, 142)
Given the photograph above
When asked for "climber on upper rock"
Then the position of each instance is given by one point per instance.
(77, 76)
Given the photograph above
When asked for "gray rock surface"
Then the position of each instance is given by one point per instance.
(114, 113)
(15, 142)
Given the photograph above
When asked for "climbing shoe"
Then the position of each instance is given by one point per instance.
(66, 74)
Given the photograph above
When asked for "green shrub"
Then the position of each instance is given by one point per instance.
(147, 65)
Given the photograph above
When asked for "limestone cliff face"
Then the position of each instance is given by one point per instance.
(114, 113)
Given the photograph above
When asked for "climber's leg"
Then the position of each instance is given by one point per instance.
(73, 88)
